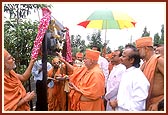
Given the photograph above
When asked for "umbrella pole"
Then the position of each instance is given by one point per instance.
(104, 49)
(104, 52)
(105, 35)
(105, 30)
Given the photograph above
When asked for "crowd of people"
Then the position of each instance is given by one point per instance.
(116, 82)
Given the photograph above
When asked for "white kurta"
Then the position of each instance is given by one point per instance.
(133, 90)
(113, 82)
(103, 63)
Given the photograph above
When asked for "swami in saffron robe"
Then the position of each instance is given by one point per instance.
(91, 83)
(14, 91)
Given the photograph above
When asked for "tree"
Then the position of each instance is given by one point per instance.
(95, 39)
(121, 47)
(108, 49)
(77, 44)
(21, 11)
(22, 41)
(145, 33)
(19, 33)
(162, 34)
(156, 38)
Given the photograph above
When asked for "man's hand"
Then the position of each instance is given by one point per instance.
(32, 60)
(29, 96)
(39, 70)
(113, 104)
(153, 107)
(72, 86)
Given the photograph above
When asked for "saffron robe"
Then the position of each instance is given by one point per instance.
(149, 70)
(56, 94)
(91, 84)
(14, 91)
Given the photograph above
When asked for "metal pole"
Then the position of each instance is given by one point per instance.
(104, 52)
(41, 86)
(31, 102)
(105, 30)
(44, 69)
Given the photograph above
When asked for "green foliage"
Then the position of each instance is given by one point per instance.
(157, 38)
(19, 35)
(77, 44)
(22, 10)
(162, 34)
(108, 50)
(145, 33)
(95, 39)
(18, 40)
(120, 47)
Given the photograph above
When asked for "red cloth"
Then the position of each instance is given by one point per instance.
(44, 22)
(68, 47)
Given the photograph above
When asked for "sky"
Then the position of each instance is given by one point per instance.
(146, 14)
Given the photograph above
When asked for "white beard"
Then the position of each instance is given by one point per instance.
(10, 67)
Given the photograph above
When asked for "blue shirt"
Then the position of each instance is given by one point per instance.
(36, 67)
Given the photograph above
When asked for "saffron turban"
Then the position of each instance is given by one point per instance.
(144, 41)
(92, 54)
(78, 54)
(110, 55)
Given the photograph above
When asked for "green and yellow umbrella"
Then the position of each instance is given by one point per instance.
(107, 19)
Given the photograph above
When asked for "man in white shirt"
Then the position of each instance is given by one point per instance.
(134, 86)
(114, 78)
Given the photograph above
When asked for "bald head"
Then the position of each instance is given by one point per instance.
(56, 62)
(56, 59)
(6, 53)
(9, 61)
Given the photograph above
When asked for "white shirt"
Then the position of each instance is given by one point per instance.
(36, 67)
(103, 63)
(113, 82)
(133, 90)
